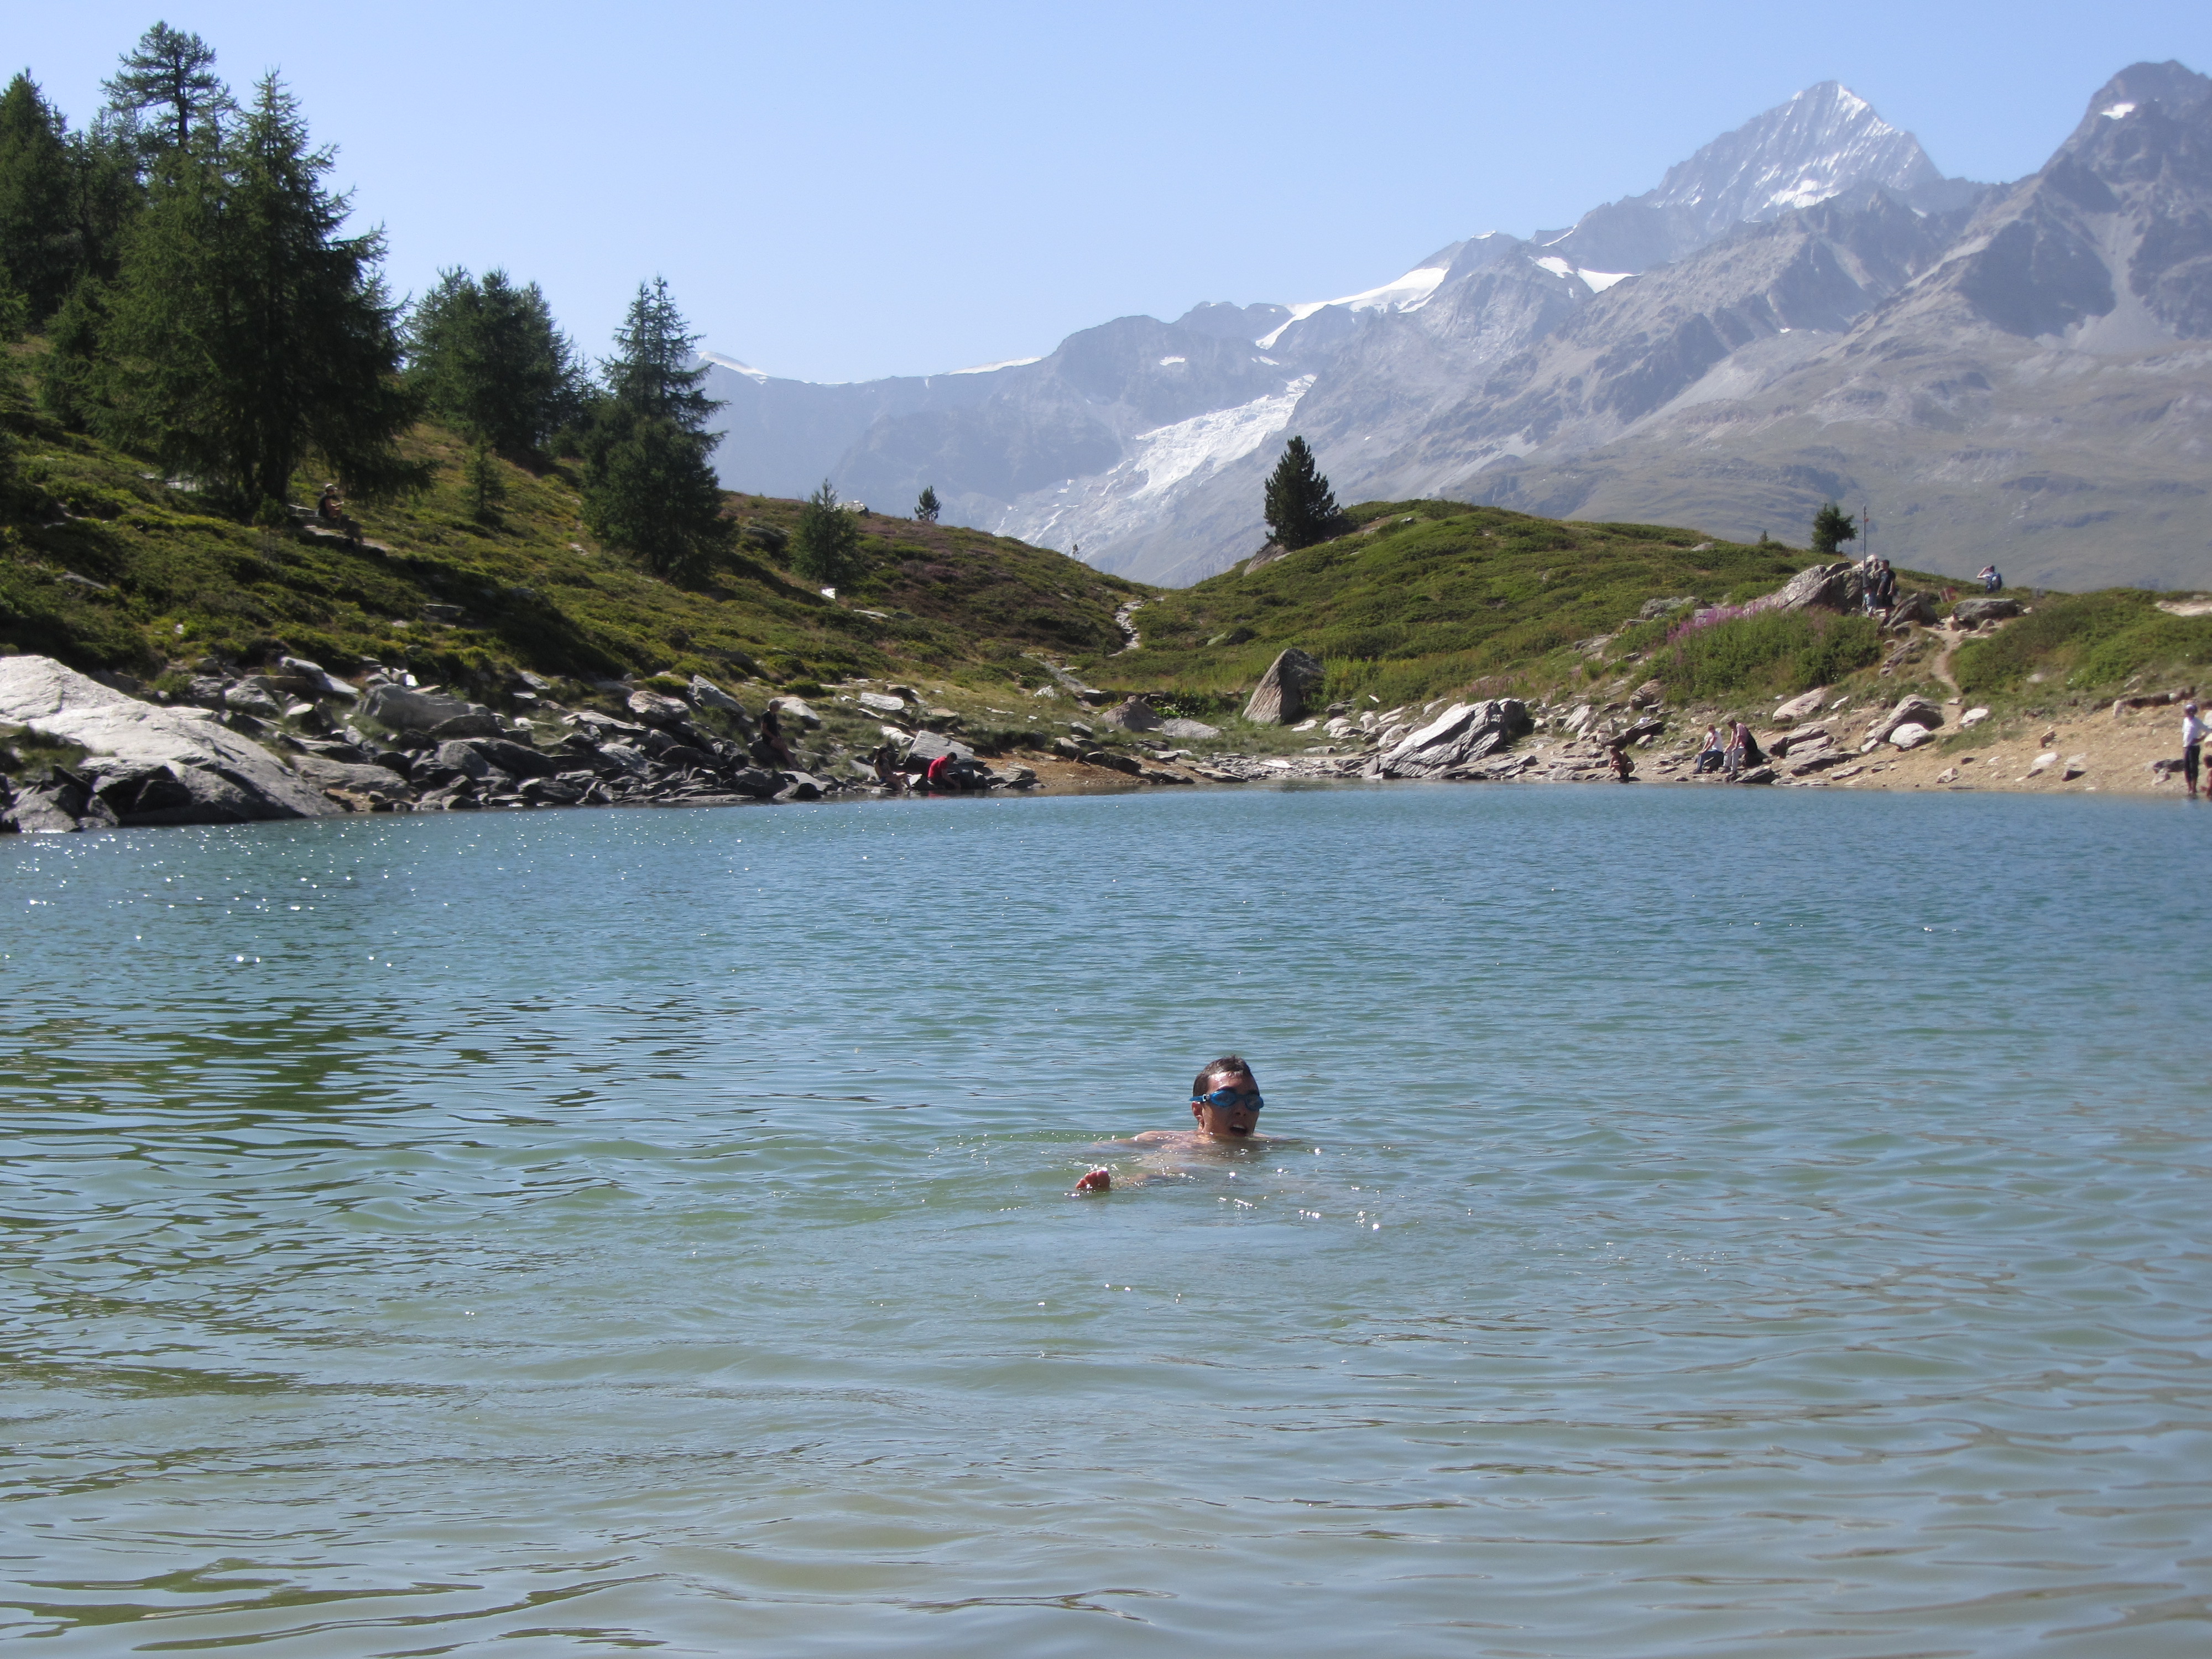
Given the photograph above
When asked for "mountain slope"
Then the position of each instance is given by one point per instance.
(1134, 439)
(1804, 309)
(2041, 395)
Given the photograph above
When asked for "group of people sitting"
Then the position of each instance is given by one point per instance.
(946, 774)
(1729, 755)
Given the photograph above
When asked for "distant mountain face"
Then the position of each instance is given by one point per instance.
(1804, 309)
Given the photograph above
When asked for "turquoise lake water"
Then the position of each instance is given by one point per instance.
(1733, 1222)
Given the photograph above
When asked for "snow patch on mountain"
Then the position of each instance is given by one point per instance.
(1409, 293)
(1596, 281)
(757, 376)
(993, 368)
(1128, 496)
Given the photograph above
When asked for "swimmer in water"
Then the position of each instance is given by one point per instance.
(1224, 1103)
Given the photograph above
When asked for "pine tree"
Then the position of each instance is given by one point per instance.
(1301, 508)
(172, 72)
(650, 487)
(827, 549)
(37, 236)
(244, 332)
(487, 357)
(1832, 528)
(926, 509)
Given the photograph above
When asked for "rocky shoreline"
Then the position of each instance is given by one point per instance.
(295, 741)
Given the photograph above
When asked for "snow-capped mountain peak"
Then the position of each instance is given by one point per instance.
(1825, 141)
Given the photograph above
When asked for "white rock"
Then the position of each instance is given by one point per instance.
(1909, 735)
(1306, 724)
(705, 694)
(40, 693)
(1972, 717)
(2048, 757)
(881, 703)
(1798, 708)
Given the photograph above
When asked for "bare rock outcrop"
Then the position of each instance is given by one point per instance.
(1463, 732)
(229, 778)
(1281, 697)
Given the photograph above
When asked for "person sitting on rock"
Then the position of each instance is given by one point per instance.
(1224, 1103)
(770, 748)
(1743, 750)
(885, 760)
(1714, 752)
(329, 506)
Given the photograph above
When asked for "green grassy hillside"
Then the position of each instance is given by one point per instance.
(1429, 598)
(106, 566)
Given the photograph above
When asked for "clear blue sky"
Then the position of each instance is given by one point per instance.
(841, 191)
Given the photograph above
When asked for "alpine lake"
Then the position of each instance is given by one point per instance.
(1744, 1223)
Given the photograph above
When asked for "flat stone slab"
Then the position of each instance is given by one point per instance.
(58, 702)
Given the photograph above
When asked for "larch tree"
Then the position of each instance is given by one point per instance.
(488, 358)
(39, 251)
(1301, 507)
(170, 75)
(826, 547)
(926, 509)
(244, 333)
(1832, 528)
(649, 485)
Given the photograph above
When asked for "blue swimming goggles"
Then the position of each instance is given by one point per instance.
(1230, 1099)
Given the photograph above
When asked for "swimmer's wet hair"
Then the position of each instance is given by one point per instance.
(1227, 1066)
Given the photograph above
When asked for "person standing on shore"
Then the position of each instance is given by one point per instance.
(2192, 746)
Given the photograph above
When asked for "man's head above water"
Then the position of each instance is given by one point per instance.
(1224, 1099)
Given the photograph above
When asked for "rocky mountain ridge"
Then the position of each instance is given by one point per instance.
(1761, 331)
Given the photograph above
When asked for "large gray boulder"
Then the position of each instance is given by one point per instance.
(64, 804)
(1189, 731)
(59, 702)
(1281, 697)
(929, 745)
(142, 791)
(705, 694)
(1465, 732)
(353, 782)
(516, 759)
(1910, 711)
(1984, 611)
(1133, 715)
(405, 710)
(1838, 587)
